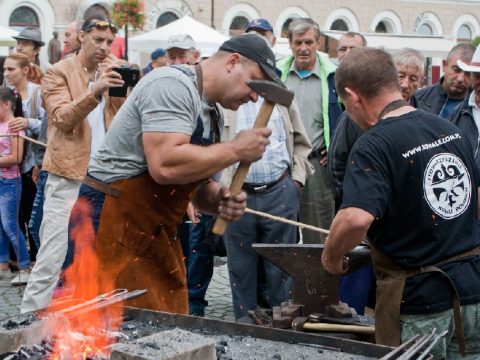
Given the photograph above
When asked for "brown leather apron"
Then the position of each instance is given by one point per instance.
(390, 284)
(137, 245)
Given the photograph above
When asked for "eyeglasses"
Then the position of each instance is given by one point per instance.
(101, 25)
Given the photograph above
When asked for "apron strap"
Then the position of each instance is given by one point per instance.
(390, 284)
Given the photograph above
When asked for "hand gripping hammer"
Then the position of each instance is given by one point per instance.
(272, 94)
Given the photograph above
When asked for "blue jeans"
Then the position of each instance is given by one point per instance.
(81, 213)
(37, 210)
(199, 266)
(355, 288)
(10, 193)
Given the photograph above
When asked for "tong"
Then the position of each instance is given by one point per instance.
(101, 301)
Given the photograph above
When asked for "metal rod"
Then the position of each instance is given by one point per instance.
(107, 302)
(286, 221)
(418, 345)
(432, 344)
(25, 138)
(395, 351)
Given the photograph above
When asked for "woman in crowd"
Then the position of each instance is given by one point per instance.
(11, 153)
(17, 69)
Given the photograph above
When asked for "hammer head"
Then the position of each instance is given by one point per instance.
(272, 92)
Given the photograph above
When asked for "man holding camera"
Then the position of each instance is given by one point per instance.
(79, 113)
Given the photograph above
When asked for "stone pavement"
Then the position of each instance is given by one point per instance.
(219, 295)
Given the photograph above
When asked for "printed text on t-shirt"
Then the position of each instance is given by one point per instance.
(431, 145)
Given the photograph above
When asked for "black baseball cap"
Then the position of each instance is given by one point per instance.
(254, 48)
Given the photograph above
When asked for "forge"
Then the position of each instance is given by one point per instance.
(157, 335)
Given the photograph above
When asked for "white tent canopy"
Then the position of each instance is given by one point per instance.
(6, 38)
(429, 46)
(207, 39)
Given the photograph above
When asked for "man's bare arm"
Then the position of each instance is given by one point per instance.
(211, 198)
(347, 231)
(172, 159)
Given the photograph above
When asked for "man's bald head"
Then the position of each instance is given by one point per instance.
(72, 44)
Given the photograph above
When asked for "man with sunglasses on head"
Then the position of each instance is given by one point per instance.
(75, 92)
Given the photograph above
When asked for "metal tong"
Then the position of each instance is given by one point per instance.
(101, 301)
(411, 348)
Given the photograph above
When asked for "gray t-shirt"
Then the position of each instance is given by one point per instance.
(166, 100)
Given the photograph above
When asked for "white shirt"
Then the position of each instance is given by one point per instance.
(475, 111)
(97, 124)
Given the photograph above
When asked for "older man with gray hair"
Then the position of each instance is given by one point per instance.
(454, 85)
(311, 77)
(181, 49)
(467, 115)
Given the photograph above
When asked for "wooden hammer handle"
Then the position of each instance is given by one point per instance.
(239, 177)
(366, 330)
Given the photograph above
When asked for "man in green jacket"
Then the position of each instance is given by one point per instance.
(311, 77)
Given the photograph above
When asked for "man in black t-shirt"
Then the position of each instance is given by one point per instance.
(411, 183)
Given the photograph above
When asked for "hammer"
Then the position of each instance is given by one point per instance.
(273, 94)
(302, 324)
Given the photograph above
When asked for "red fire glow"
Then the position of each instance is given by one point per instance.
(87, 336)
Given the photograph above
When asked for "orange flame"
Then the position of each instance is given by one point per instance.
(83, 337)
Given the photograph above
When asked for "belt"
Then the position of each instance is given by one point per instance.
(316, 153)
(100, 186)
(260, 188)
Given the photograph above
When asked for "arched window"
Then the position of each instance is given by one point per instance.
(238, 25)
(286, 24)
(339, 25)
(166, 18)
(23, 16)
(381, 28)
(464, 33)
(425, 30)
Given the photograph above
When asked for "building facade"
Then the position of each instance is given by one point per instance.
(452, 20)
(448, 18)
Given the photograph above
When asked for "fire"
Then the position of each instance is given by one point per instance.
(86, 335)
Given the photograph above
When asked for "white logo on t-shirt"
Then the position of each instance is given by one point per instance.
(447, 185)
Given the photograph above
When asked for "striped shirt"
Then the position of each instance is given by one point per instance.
(275, 160)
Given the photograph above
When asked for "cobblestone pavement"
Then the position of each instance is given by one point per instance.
(219, 295)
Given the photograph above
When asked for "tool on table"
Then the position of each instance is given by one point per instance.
(303, 324)
(273, 94)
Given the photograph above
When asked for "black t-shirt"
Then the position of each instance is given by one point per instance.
(416, 175)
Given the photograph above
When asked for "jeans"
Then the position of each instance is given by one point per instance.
(447, 347)
(355, 288)
(88, 206)
(10, 193)
(37, 210)
(200, 266)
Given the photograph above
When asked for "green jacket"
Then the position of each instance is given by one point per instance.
(330, 108)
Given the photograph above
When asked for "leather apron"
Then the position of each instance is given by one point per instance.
(136, 240)
(390, 285)
(137, 245)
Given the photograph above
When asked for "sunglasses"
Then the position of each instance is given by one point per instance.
(102, 25)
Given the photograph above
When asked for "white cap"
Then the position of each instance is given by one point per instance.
(180, 41)
(474, 65)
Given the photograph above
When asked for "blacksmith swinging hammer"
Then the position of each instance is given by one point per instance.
(273, 94)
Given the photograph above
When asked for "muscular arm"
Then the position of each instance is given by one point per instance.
(347, 231)
(211, 198)
(171, 159)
